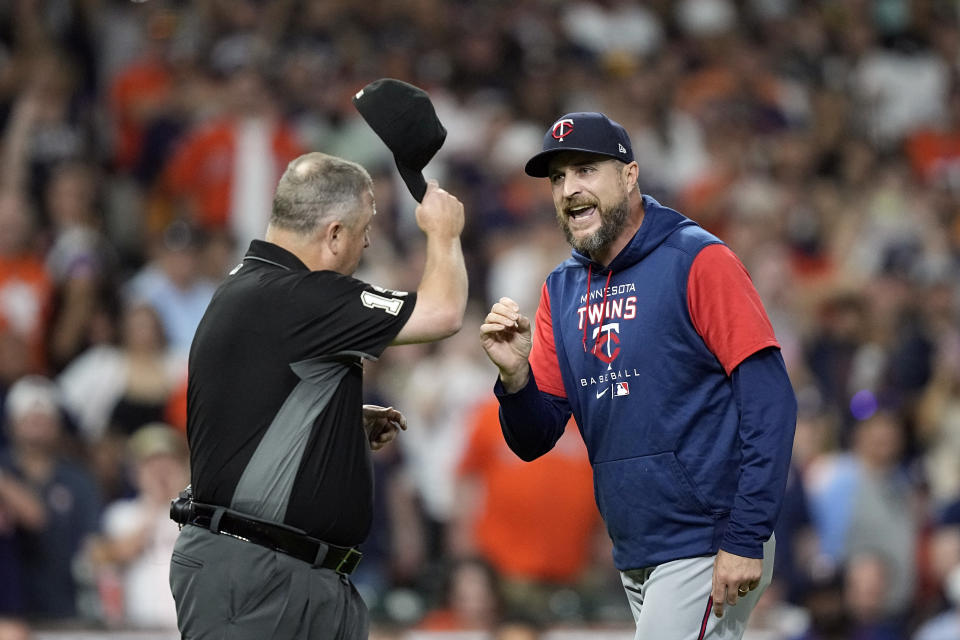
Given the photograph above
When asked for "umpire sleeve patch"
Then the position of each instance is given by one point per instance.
(372, 300)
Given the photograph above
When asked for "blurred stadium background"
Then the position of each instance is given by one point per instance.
(140, 145)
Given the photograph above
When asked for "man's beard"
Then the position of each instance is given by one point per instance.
(612, 222)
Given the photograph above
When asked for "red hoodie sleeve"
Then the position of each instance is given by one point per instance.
(725, 307)
(543, 354)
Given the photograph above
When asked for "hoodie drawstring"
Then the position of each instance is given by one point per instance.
(603, 308)
(586, 315)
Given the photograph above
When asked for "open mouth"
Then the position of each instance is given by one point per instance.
(581, 212)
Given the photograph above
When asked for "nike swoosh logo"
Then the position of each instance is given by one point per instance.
(600, 393)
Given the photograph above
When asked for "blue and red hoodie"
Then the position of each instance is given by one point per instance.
(669, 364)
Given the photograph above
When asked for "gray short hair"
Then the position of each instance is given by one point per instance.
(317, 188)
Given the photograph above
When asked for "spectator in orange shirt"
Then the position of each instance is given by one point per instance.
(141, 94)
(535, 522)
(25, 286)
(224, 171)
(934, 151)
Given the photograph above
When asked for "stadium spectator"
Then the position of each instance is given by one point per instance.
(19, 507)
(868, 577)
(864, 505)
(48, 541)
(829, 619)
(174, 284)
(81, 262)
(113, 390)
(938, 421)
(142, 103)
(841, 335)
(138, 535)
(471, 599)
(533, 522)
(25, 286)
(224, 171)
(119, 388)
(50, 123)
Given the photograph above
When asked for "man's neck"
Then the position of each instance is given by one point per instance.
(308, 252)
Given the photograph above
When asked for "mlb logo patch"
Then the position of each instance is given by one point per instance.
(621, 389)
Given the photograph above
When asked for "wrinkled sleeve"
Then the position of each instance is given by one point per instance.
(768, 417)
(531, 420)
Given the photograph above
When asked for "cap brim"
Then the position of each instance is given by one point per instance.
(539, 165)
(536, 166)
(414, 180)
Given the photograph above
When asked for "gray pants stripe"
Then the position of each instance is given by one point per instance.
(672, 601)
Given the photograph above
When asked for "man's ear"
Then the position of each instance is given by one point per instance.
(631, 173)
(332, 236)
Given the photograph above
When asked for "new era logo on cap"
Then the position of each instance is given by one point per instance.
(584, 131)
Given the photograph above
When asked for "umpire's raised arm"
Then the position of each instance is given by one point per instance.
(442, 294)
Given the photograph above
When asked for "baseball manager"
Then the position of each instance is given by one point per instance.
(654, 337)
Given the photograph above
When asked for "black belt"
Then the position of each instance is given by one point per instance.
(278, 538)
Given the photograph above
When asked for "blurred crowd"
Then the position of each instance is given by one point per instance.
(140, 142)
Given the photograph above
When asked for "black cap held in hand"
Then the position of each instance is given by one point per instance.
(404, 118)
(585, 131)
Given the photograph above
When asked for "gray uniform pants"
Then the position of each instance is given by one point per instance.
(230, 588)
(670, 601)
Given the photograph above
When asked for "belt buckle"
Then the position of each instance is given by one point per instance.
(349, 561)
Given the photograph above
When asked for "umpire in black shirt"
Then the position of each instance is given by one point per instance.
(279, 437)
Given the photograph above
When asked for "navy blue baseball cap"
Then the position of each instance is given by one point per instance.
(583, 131)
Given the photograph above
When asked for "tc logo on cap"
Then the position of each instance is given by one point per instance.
(562, 128)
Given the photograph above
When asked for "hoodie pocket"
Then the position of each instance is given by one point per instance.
(648, 496)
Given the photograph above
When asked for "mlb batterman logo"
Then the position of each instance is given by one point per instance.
(621, 389)
(562, 128)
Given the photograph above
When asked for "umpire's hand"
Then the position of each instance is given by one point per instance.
(382, 425)
(440, 213)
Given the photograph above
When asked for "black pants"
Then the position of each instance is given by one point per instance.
(229, 588)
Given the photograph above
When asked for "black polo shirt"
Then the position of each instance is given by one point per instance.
(274, 404)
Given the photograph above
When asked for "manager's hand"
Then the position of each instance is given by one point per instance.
(506, 337)
(382, 425)
(733, 577)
